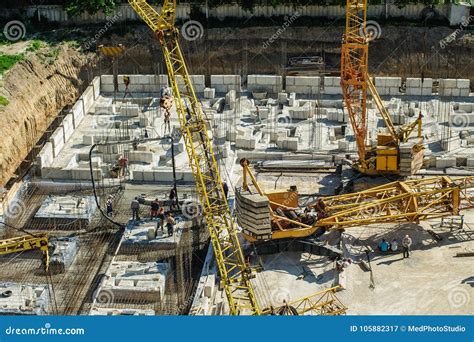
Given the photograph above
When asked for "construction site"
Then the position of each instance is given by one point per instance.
(301, 183)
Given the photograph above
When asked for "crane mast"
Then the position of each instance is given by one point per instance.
(235, 274)
(354, 65)
(394, 153)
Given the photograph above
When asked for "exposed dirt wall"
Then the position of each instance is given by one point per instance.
(37, 91)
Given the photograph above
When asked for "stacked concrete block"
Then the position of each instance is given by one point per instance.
(442, 163)
(141, 157)
(104, 109)
(300, 113)
(138, 83)
(290, 144)
(96, 86)
(398, 119)
(388, 85)
(282, 98)
(45, 157)
(245, 142)
(307, 85)
(454, 87)
(415, 87)
(253, 214)
(134, 282)
(277, 134)
(292, 101)
(64, 253)
(231, 99)
(129, 109)
(24, 299)
(451, 144)
(263, 112)
(209, 93)
(57, 140)
(77, 113)
(68, 126)
(466, 107)
(225, 83)
(88, 99)
(266, 83)
(198, 81)
(84, 174)
(332, 85)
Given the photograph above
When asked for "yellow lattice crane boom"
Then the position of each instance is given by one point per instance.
(394, 153)
(26, 243)
(235, 274)
(401, 201)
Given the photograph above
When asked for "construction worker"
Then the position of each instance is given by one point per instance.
(135, 206)
(170, 222)
(172, 198)
(126, 81)
(394, 245)
(406, 243)
(384, 246)
(155, 206)
(226, 189)
(166, 102)
(109, 206)
(122, 163)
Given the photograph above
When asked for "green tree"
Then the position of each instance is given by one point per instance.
(75, 7)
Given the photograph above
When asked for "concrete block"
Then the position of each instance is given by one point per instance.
(57, 140)
(77, 113)
(130, 110)
(332, 90)
(84, 174)
(282, 98)
(330, 81)
(245, 142)
(88, 140)
(68, 126)
(463, 83)
(209, 93)
(45, 157)
(267, 83)
(447, 83)
(141, 157)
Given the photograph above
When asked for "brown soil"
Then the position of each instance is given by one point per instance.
(37, 88)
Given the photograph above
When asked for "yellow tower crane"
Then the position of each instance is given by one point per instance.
(394, 153)
(233, 269)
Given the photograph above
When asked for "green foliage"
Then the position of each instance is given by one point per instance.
(35, 45)
(8, 61)
(4, 101)
(76, 7)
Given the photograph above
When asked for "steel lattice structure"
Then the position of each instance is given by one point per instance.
(229, 256)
